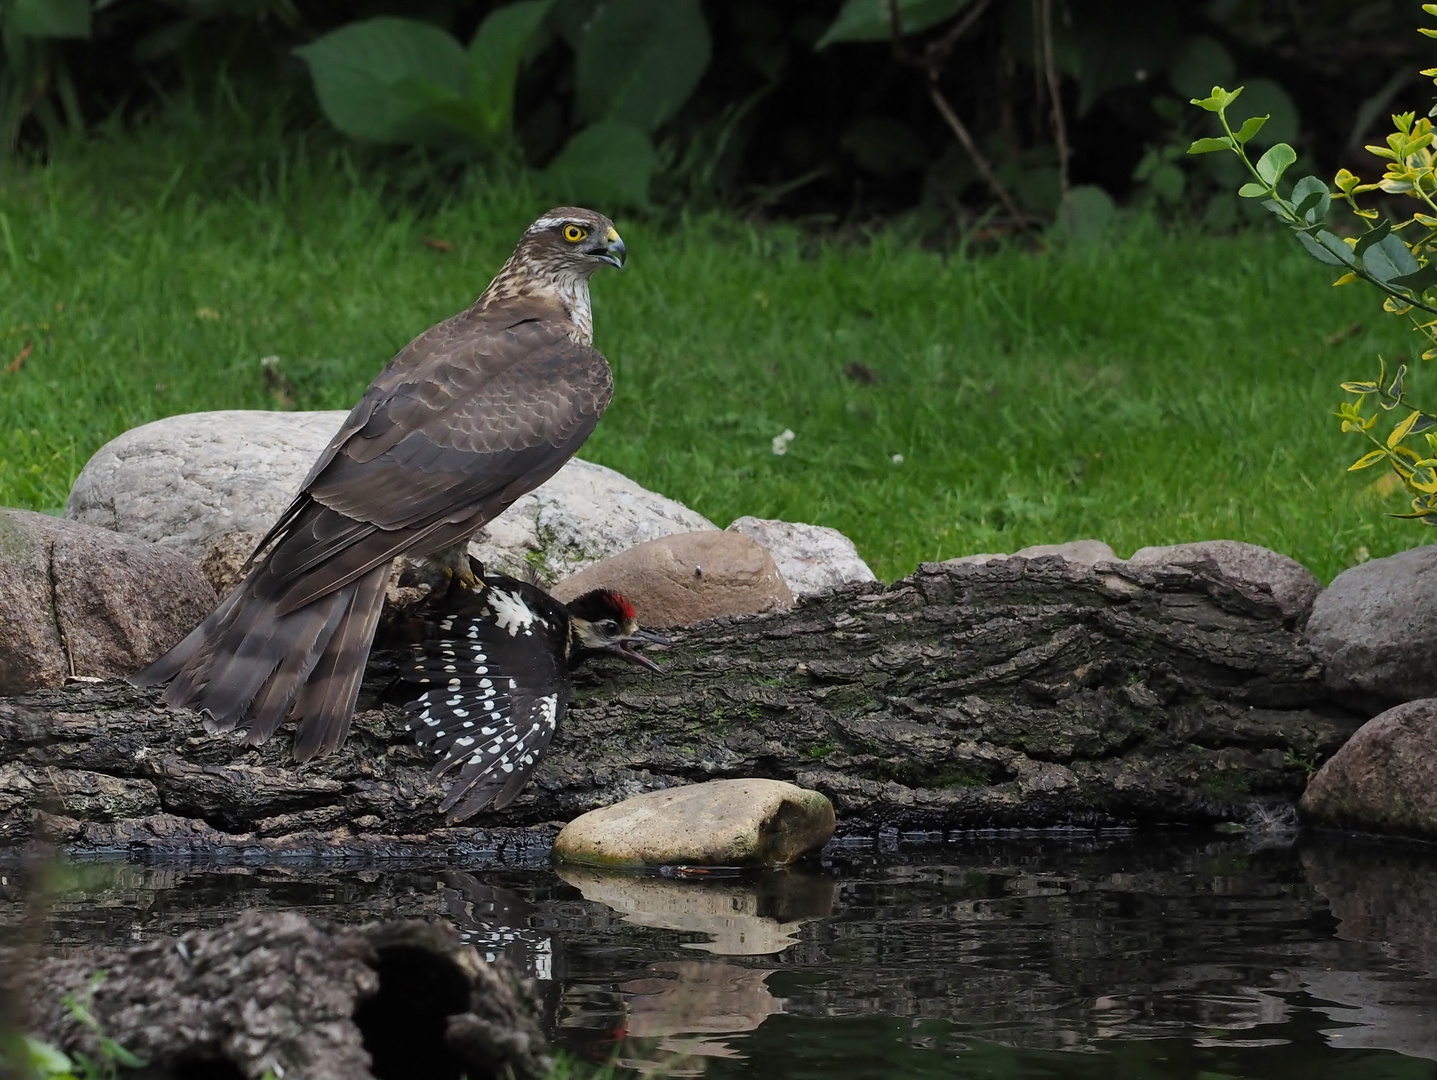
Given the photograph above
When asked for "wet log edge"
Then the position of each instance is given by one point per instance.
(278, 992)
(1013, 693)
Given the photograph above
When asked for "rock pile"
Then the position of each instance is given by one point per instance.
(1374, 633)
(166, 510)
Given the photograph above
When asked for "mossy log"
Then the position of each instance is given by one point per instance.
(277, 993)
(1020, 692)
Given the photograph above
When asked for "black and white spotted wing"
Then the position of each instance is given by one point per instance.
(498, 685)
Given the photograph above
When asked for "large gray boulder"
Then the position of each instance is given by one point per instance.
(1384, 778)
(210, 484)
(811, 558)
(188, 480)
(76, 600)
(1375, 627)
(1082, 552)
(717, 823)
(585, 513)
(1078, 552)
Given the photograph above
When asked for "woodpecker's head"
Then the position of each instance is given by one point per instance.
(602, 621)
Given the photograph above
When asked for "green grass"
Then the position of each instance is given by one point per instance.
(1154, 389)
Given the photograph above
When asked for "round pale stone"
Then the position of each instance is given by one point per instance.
(717, 823)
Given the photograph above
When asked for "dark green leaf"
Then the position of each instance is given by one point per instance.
(377, 78)
(1312, 198)
(1208, 146)
(1374, 235)
(1327, 247)
(1275, 162)
(1425, 422)
(605, 165)
(867, 20)
(48, 18)
(494, 58)
(1388, 259)
(640, 60)
(1420, 281)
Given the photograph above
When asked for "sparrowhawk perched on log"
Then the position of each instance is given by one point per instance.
(470, 415)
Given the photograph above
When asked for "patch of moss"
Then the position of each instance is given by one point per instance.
(1226, 784)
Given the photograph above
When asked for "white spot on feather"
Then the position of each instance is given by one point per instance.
(510, 613)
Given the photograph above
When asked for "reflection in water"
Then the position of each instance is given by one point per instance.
(740, 917)
(1086, 958)
(674, 1012)
(1389, 898)
(498, 922)
(670, 1013)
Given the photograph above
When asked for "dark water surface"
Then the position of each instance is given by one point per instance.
(1085, 956)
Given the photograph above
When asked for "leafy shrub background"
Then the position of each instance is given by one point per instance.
(798, 107)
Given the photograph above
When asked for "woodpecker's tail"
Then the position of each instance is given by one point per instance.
(247, 664)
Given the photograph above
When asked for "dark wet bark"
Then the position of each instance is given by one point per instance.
(1015, 693)
(279, 993)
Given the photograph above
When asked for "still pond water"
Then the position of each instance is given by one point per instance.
(1084, 956)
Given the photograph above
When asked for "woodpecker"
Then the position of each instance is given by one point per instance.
(495, 658)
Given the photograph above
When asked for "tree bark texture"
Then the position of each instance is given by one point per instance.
(283, 994)
(1020, 692)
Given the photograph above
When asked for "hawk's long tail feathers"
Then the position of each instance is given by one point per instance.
(246, 665)
(326, 703)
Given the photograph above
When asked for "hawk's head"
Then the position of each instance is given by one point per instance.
(570, 241)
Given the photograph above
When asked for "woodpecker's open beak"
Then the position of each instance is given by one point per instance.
(615, 253)
(629, 652)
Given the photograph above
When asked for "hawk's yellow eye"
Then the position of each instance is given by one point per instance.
(574, 233)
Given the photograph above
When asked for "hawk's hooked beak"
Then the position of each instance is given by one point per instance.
(626, 648)
(615, 253)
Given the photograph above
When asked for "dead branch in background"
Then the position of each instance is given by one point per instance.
(1055, 98)
(931, 62)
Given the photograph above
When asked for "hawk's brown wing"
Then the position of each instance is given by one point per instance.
(439, 457)
(469, 417)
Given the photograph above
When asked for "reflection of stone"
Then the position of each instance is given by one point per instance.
(1384, 896)
(683, 1000)
(743, 918)
(1375, 1012)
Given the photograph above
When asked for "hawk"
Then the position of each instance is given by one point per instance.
(470, 415)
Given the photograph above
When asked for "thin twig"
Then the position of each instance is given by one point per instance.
(932, 64)
(1055, 99)
(938, 51)
(969, 145)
